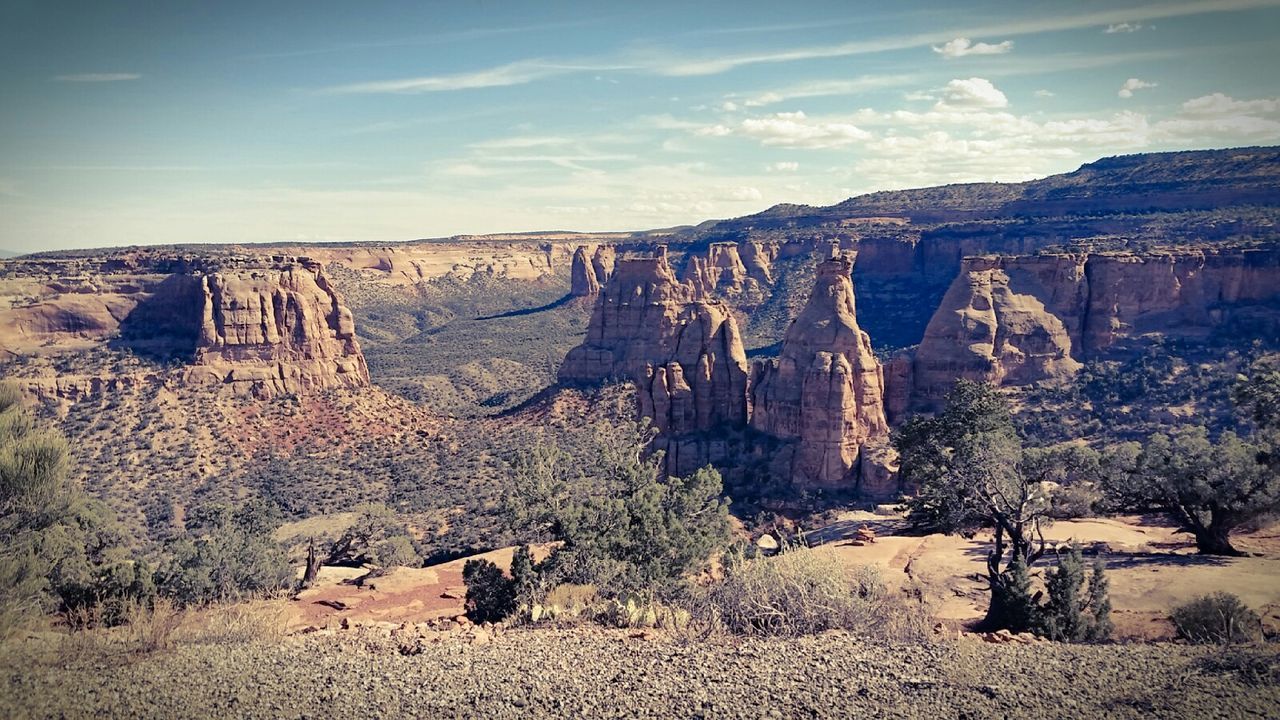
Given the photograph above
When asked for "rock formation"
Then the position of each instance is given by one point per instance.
(588, 275)
(826, 389)
(280, 330)
(1019, 320)
(684, 353)
(250, 324)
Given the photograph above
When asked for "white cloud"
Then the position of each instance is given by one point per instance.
(782, 166)
(972, 93)
(795, 129)
(97, 77)
(960, 47)
(918, 96)
(714, 131)
(516, 73)
(741, 194)
(729, 106)
(519, 142)
(828, 88)
(1043, 94)
(1218, 104)
(1133, 84)
(1123, 27)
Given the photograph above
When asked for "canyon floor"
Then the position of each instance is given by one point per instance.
(590, 672)
(1151, 569)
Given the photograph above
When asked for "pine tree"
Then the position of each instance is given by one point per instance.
(1099, 629)
(1063, 617)
(1011, 602)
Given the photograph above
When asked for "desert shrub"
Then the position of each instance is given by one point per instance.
(797, 592)
(233, 624)
(228, 555)
(565, 601)
(378, 537)
(491, 595)
(62, 550)
(625, 526)
(1217, 618)
(1074, 613)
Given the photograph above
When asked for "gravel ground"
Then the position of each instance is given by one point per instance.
(597, 673)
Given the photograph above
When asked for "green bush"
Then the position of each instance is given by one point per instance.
(625, 526)
(377, 537)
(62, 551)
(491, 595)
(229, 555)
(1073, 614)
(1217, 618)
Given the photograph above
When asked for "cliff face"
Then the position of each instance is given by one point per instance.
(280, 330)
(826, 389)
(588, 274)
(253, 325)
(684, 353)
(1018, 320)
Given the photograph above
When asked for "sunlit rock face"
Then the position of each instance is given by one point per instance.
(684, 353)
(826, 388)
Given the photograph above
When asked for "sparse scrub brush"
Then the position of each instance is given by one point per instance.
(1217, 618)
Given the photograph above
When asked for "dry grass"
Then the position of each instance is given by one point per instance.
(802, 592)
(233, 624)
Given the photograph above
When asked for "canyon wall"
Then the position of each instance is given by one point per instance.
(258, 326)
(1019, 320)
(588, 274)
(684, 353)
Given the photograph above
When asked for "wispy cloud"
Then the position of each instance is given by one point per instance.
(827, 88)
(1123, 27)
(664, 63)
(423, 40)
(960, 47)
(1097, 18)
(97, 77)
(1132, 85)
(516, 73)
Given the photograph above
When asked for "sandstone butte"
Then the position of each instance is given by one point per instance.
(823, 398)
(684, 353)
(826, 390)
(588, 274)
(259, 326)
(1020, 320)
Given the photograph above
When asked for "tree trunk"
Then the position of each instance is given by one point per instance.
(1215, 541)
(313, 565)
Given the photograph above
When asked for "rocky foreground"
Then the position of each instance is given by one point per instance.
(595, 673)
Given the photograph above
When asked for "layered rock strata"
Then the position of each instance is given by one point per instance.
(683, 352)
(253, 325)
(1019, 320)
(826, 389)
(588, 274)
(273, 331)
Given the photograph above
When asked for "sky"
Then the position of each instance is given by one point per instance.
(127, 123)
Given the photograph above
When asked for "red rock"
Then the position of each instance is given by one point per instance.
(826, 389)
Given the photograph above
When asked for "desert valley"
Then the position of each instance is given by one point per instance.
(389, 403)
(663, 360)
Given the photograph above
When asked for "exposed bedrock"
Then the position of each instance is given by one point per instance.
(588, 273)
(826, 389)
(1019, 320)
(254, 325)
(683, 352)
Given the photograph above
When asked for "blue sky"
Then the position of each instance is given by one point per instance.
(139, 122)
